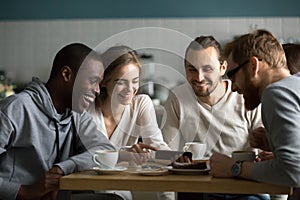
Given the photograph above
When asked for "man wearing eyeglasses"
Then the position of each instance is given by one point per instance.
(205, 110)
(263, 77)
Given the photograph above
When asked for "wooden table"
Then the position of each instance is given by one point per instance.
(89, 180)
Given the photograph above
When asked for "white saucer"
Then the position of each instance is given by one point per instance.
(150, 172)
(202, 159)
(114, 170)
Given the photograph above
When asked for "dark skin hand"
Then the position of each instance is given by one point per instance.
(45, 188)
(186, 157)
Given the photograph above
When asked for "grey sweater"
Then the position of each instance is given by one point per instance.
(281, 118)
(34, 137)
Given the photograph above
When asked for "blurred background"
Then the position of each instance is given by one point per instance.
(31, 32)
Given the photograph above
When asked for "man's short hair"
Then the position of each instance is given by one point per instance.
(203, 42)
(72, 56)
(261, 44)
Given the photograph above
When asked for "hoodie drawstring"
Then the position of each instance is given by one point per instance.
(74, 137)
(57, 159)
(74, 150)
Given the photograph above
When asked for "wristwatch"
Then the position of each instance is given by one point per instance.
(236, 168)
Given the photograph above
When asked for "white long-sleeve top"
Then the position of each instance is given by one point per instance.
(224, 127)
(138, 120)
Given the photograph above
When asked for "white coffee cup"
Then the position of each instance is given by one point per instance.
(196, 148)
(243, 155)
(106, 159)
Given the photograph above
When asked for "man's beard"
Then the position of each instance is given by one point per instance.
(210, 88)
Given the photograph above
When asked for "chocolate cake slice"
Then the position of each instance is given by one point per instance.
(194, 164)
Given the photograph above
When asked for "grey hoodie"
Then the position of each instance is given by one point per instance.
(31, 131)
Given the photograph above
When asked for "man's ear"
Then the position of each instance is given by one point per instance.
(66, 73)
(254, 62)
(223, 68)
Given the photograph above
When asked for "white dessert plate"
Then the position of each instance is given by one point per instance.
(154, 172)
(114, 170)
(188, 171)
(150, 172)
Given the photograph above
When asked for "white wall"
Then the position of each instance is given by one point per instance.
(27, 48)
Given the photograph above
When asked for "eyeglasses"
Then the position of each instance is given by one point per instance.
(235, 70)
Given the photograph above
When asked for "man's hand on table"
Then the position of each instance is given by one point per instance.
(45, 188)
(220, 165)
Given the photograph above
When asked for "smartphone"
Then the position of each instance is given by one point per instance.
(167, 155)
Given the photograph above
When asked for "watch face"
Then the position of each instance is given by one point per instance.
(236, 169)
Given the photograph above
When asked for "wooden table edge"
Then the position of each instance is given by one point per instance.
(183, 183)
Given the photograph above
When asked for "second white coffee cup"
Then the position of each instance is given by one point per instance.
(196, 148)
(243, 156)
(106, 159)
